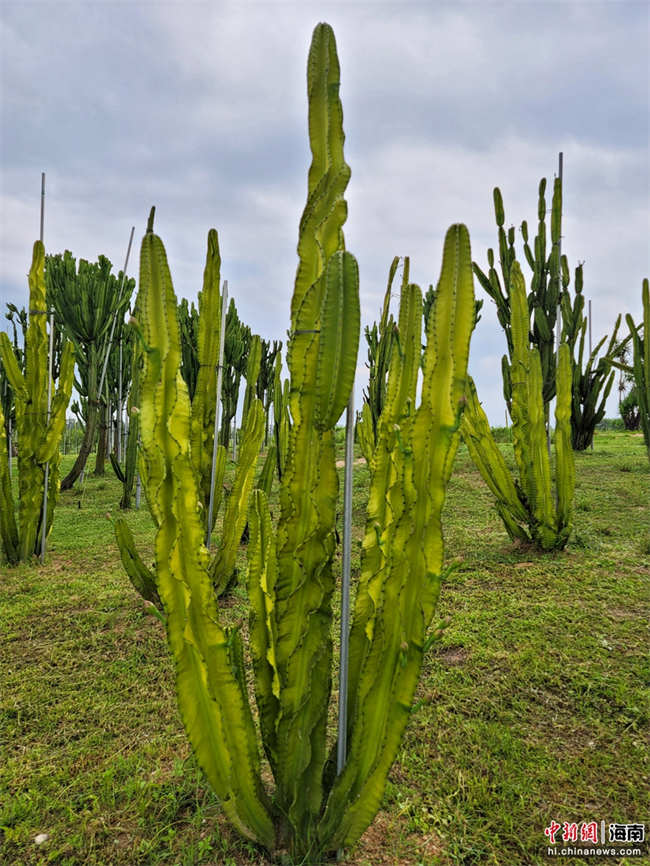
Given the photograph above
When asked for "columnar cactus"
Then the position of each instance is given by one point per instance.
(380, 339)
(545, 284)
(528, 508)
(640, 368)
(291, 580)
(38, 436)
(591, 381)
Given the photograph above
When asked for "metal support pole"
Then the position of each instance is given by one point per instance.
(341, 752)
(110, 339)
(42, 204)
(215, 444)
(49, 388)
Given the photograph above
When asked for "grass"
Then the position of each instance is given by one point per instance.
(534, 705)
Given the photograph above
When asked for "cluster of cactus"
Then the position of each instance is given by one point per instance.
(206, 330)
(380, 339)
(281, 417)
(591, 383)
(545, 287)
(38, 434)
(235, 363)
(127, 475)
(529, 509)
(639, 370)
(86, 300)
(290, 579)
(265, 387)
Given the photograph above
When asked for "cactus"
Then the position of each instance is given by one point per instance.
(639, 370)
(199, 372)
(86, 300)
(265, 381)
(38, 436)
(592, 383)
(527, 507)
(281, 417)
(290, 577)
(380, 339)
(235, 362)
(545, 285)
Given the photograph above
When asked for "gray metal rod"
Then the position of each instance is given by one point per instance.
(110, 339)
(215, 444)
(47, 465)
(341, 752)
(42, 203)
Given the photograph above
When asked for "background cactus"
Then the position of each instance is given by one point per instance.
(639, 370)
(527, 507)
(545, 286)
(38, 435)
(86, 299)
(591, 380)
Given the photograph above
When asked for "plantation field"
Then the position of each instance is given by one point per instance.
(534, 705)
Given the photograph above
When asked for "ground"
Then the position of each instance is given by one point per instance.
(533, 707)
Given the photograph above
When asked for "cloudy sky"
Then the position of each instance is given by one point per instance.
(200, 109)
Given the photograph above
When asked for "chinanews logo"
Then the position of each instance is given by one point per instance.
(594, 839)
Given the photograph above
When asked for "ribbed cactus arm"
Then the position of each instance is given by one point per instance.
(205, 394)
(477, 436)
(8, 528)
(565, 466)
(223, 564)
(210, 684)
(401, 580)
(262, 573)
(52, 437)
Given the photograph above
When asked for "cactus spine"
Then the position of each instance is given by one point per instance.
(39, 438)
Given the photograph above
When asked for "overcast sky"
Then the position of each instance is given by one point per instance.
(201, 109)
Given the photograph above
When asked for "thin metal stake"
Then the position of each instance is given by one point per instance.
(341, 751)
(215, 444)
(49, 387)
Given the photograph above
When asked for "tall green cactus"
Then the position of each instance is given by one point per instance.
(640, 367)
(38, 436)
(86, 297)
(291, 582)
(528, 508)
(545, 286)
(593, 379)
(380, 339)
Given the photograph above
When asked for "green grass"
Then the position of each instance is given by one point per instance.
(534, 705)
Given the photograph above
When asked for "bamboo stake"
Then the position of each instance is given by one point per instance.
(215, 444)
